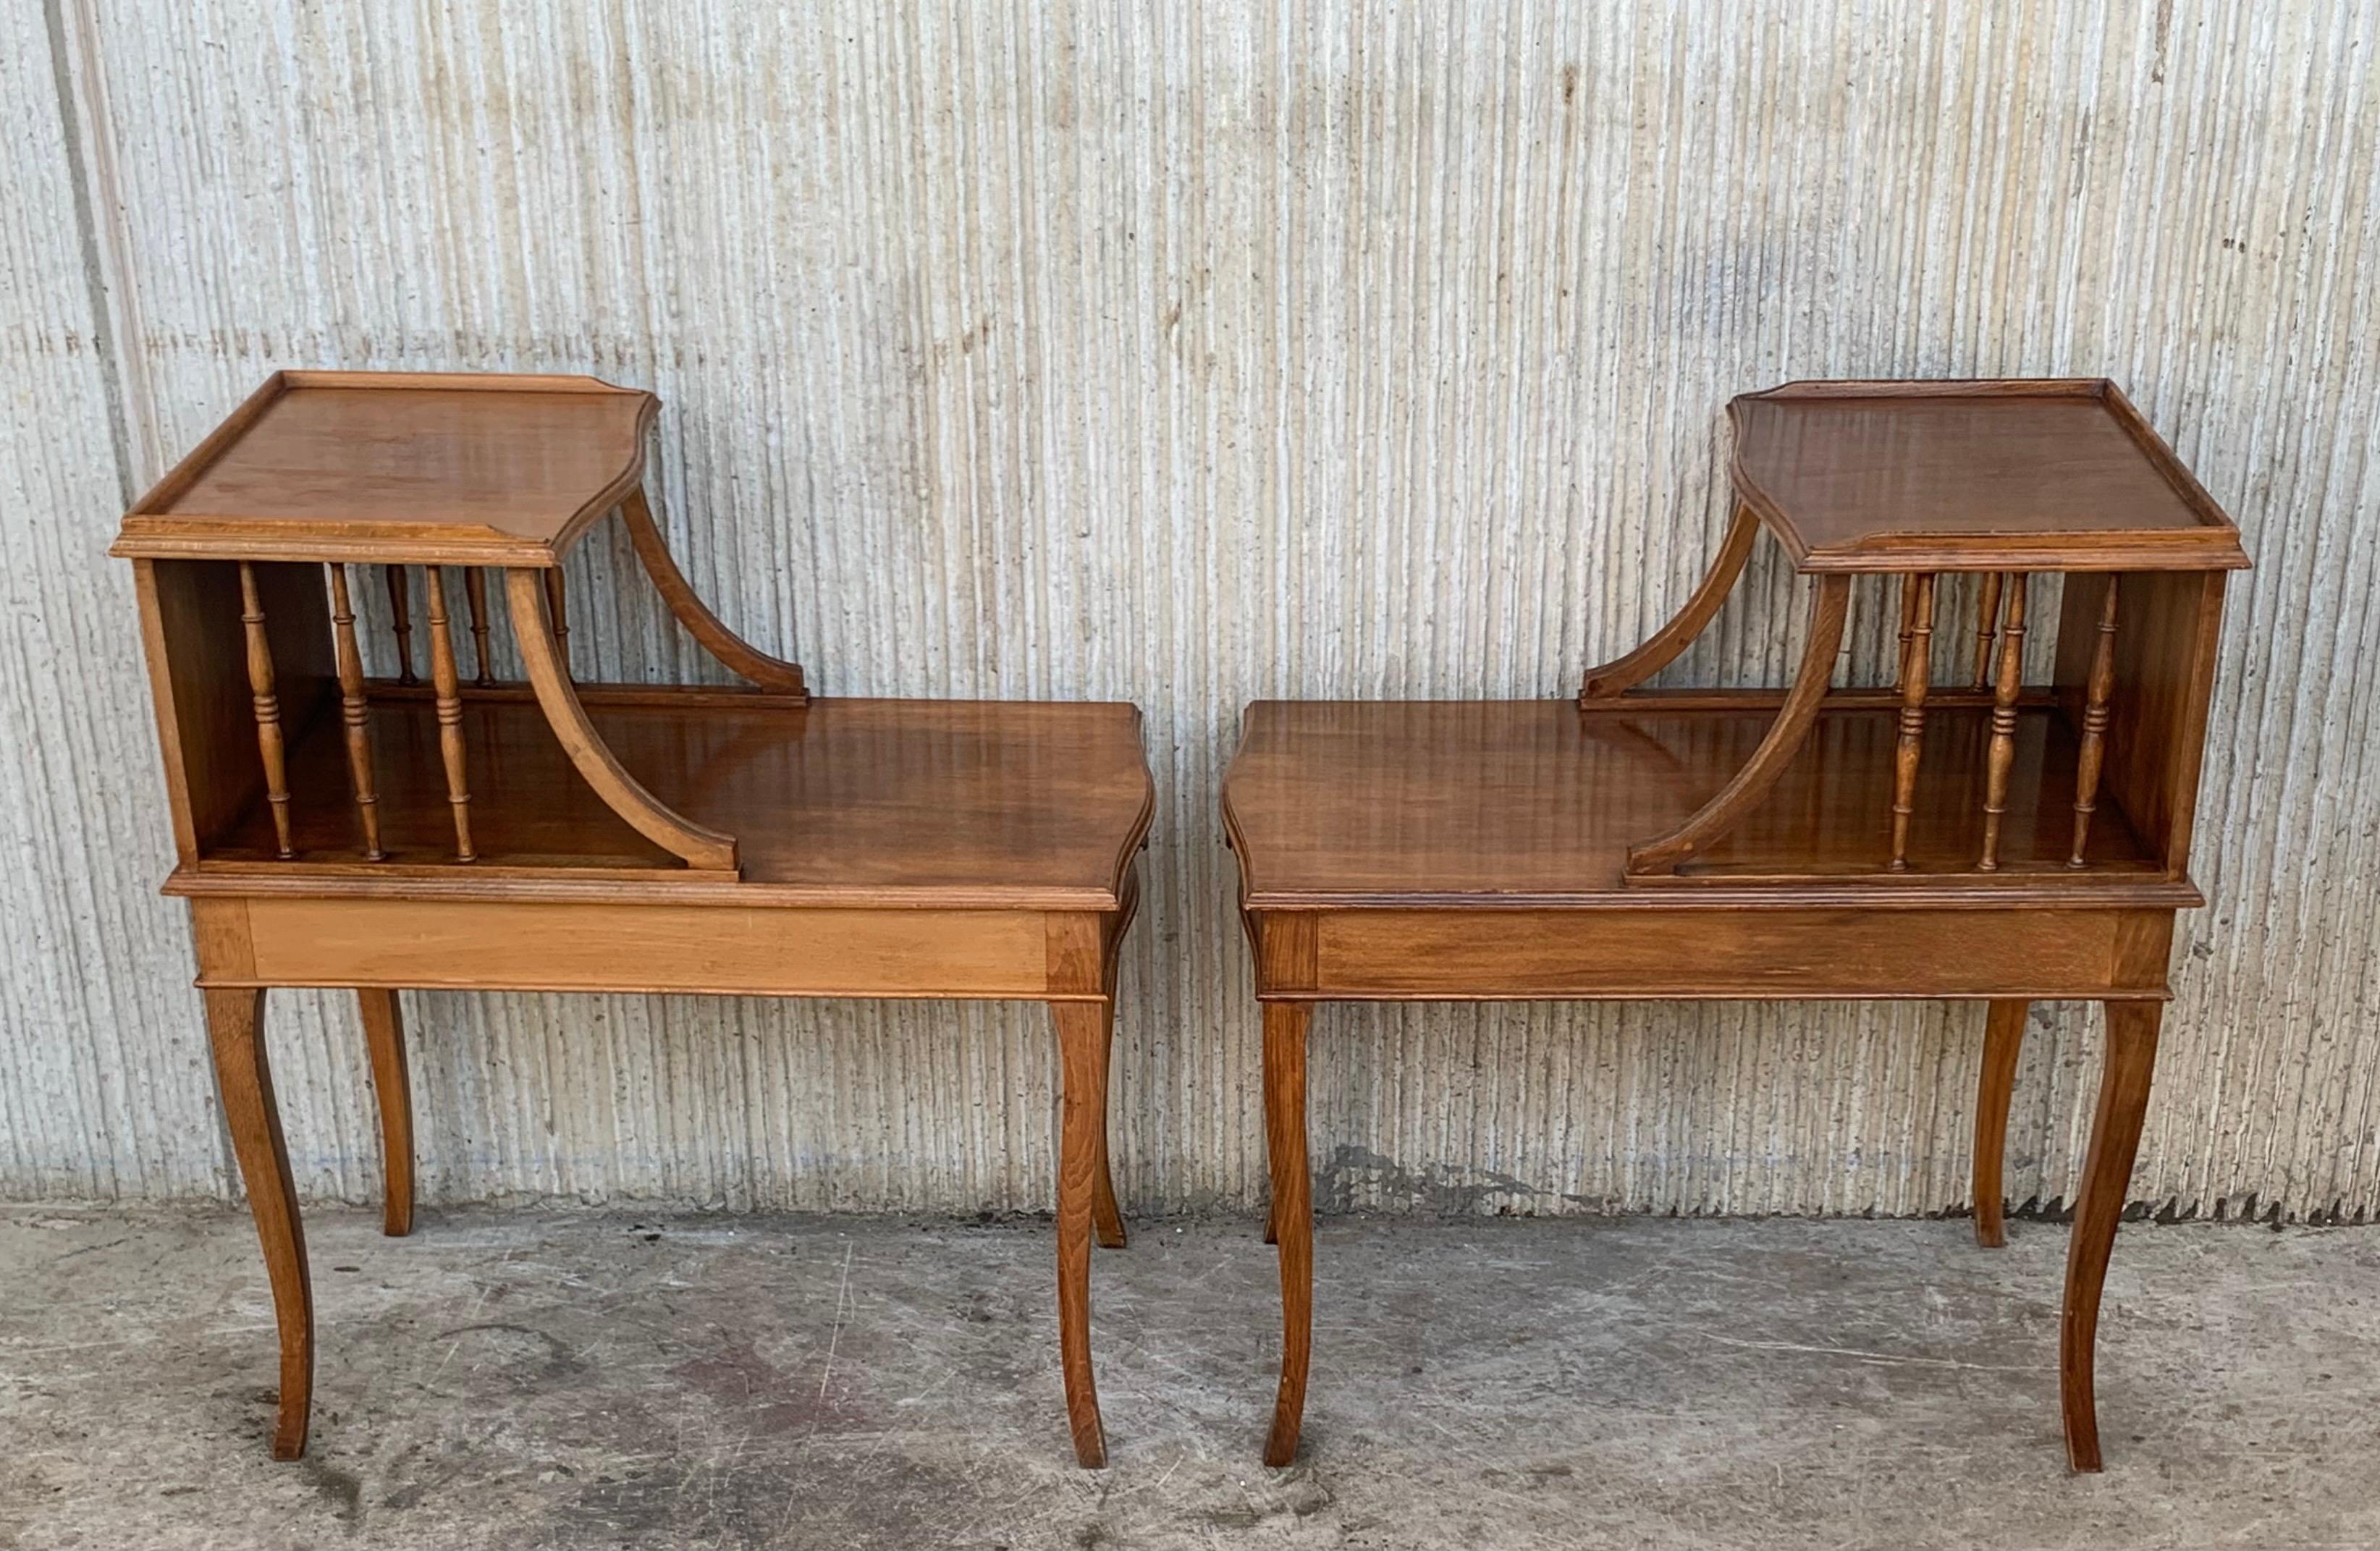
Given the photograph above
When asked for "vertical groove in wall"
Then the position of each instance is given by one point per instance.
(1189, 354)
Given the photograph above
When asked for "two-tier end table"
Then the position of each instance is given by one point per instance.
(469, 833)
(1995, 840)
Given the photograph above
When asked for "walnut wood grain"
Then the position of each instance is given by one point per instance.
(1795, 716)
(697, 844)
(475, 595)
(1916, 657)
(2106, 1174)
(400, 615)
(2000, 757)
(557, 608)
(2092, 753)
(731, 650)
(383, 1023)
(1083, 1030)
(1666, 644)
(355, 715)
(1995, 1084)
(1987, 625)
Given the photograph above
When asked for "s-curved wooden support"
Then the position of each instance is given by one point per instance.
(1084, 1029)
(622, 792)
(737, 655)
(1285, 1025)
(244, 1078)
(1666, 644)
(2003, 1042)
(1828, 607)
(392, 1089)
(2100, 1204)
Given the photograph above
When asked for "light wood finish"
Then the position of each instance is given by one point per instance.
(383, 1023)
(266, 706)
(475, 593)
(624, 838)
(2106, 1173)
(2093, 753)
(244, 1082)
(1995, 1082)
(1666, 644)
(1916, 670)
(400, 614)
(557, 609)
(354, 714)
(1292, 1217)
(1994, 474)
(1725, 843)
(696, 845)
(733, 652)
(452, 752)
(1795, 716)
(2001, 756)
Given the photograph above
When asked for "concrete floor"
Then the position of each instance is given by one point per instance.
(543, 1378)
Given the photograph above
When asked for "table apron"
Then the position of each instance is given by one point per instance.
(726, 950)
(1423, 954)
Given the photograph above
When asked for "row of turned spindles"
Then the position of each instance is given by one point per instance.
(1999, 621)
(446, 689)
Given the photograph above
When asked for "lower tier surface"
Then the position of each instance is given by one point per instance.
(1359, 801)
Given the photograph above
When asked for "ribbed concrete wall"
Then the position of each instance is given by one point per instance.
(1190, 354)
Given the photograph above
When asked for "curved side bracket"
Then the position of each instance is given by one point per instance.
(737, 655)
(622, 792)
(1829, 606)
(1666, 644)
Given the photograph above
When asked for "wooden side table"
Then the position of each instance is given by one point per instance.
(1985, 840)
(469, 833)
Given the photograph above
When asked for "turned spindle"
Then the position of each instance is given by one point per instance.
(2096, 689)
(400, 614)
(1987, 615)
(448, 690)
(475, 593)
(268, 709)
(557, 606)
(355, 713)
(1916, 675)
(2002, 754)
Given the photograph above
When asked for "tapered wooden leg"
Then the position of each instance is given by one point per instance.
(1292, 1215)
(2106, 1174)
(1083, 1059)
(2003, 1042)
(235, 1029)
(392, 1087)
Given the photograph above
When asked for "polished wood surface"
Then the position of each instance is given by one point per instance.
(387, 467)
(2000, 843)
(473, 834)
(1932, 475)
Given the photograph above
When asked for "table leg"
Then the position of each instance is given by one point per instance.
(1083, 1060)
(2003, 1042)
(243, 1077)
(1107, 1218)
(2106, 1173)
(393, 1088)
(1285, 1025)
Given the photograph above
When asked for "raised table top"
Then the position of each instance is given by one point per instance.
(1535, 803)
(953, 804)
(400, 467)
(1946, 476)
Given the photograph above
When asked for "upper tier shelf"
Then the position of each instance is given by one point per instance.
(1987, 475)
(400, 469)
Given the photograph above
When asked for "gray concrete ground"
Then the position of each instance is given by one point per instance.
(543, 1378)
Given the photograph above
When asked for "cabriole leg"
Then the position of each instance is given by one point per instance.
(2106, 1174)
(393, 1088)
(2003, 1042)
(1082, 1062)
(244, 1078)
(1285, 1023)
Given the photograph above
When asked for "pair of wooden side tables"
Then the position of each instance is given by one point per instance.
(1994, 841)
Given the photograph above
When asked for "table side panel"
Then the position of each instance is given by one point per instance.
(1821, 951)
(724, 949)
